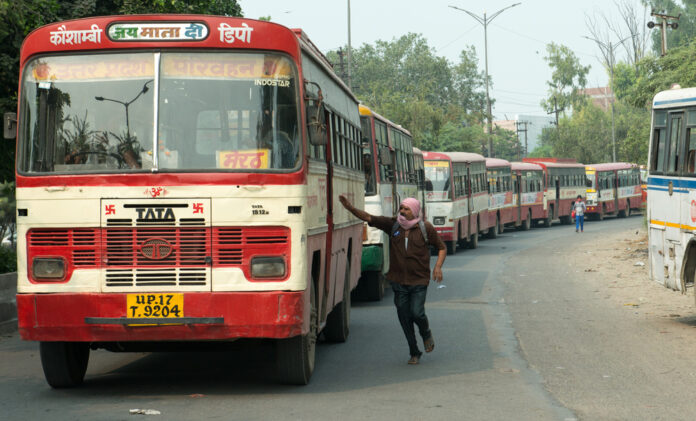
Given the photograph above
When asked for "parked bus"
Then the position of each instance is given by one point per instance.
(528, 197)
(390, 177)
(177, 181)
(672, 189)
(612, 189)
(565, 181)
(456, 196)
(501, 208)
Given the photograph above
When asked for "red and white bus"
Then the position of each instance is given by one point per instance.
(501, 207)
(456, 196)
(565, 181)
(528, 197)
(613, 189)
(177, 180)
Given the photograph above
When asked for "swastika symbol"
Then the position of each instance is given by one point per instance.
(110, 209)
(198, 208)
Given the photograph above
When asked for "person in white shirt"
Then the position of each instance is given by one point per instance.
(579, 208)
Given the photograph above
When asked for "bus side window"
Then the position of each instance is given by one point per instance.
(690, 167)
(675, 135)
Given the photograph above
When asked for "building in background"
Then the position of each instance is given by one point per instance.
(533, 124)
(602, 96)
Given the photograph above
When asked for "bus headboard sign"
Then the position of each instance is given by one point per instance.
(160, 31)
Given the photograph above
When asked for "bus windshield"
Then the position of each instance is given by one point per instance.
(437, 181)
(215, 111)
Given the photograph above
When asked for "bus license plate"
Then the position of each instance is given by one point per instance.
(151, 306)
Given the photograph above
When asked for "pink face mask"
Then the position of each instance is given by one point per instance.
(415, 206)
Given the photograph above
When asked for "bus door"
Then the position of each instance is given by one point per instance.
(470, 202)
(517, 189)
(675, 138)
(615, 186)
(558, 196)
(329, 269)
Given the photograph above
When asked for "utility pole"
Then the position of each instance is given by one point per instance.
(663, 26)
(608, 52)
(555, 110)
(517, 126)
(350, 61)
(485, 21)
(341, 64)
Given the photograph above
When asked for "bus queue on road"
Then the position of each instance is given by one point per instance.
(211, 214)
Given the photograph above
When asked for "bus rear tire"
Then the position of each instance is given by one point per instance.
(546, 222)
(295, 356)
(451, 247)
(64, 363)
(473, 240)
(527, 224)
(371, 286)
(338, 321)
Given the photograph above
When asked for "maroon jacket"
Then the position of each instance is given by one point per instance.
(408, 265)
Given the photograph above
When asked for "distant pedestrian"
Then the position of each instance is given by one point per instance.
(409, 267)
(579, 209)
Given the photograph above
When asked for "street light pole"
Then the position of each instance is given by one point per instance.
(485, 21)
(610, 58)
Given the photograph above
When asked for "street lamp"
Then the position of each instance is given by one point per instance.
(485, 21)
(608, 51)
(126, 104)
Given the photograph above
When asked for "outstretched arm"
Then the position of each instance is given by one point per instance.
(361, 214)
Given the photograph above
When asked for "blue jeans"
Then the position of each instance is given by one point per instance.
(579, 222)
(410, 307)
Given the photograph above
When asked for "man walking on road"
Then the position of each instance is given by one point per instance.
(409, 268)
(579, 209)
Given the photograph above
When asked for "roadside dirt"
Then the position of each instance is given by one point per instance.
(622, 259)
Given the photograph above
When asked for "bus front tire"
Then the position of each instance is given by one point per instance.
(473, 240)
(338, 321)
(370, 286)
(295, 356)
(494, 230)
(451, 247)
(64, 363)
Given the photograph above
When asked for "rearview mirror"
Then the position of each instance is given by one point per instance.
(10, 125)
(385, 156)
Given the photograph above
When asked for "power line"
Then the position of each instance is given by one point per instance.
(457, 39)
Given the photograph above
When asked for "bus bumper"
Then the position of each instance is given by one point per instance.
(207, 316)
(372, 258)
(445, 233)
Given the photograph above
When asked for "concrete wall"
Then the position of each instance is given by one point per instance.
(8, 302)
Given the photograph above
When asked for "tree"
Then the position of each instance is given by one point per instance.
(568, 77)
(405, 81)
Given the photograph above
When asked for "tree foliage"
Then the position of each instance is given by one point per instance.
(568, 77)
(441, 103)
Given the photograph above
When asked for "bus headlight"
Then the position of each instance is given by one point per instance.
(48, 268)
(268, 267)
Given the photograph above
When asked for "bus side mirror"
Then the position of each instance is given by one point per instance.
(316, 122)
(10, 125)
(316, 128)
(385, 156)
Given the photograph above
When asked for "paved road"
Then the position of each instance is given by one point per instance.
(497, 357)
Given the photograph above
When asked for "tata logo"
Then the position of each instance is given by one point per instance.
(155, 213)
(156, 248)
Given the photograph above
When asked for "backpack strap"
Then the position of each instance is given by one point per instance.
(421, 225)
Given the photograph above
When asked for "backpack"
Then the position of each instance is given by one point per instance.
(421, 225)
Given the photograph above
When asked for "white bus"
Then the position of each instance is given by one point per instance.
(390, 177)
(672, 189)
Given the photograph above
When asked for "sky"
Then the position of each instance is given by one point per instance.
(517, 38)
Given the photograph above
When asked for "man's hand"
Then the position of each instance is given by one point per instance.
(344, 201)
(437, 274)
